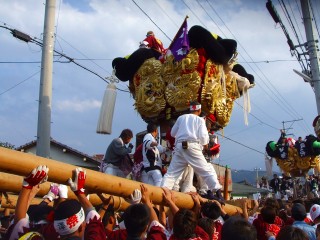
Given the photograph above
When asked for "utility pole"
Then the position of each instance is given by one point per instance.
(291, 121)
(45, 93)
(312, 50)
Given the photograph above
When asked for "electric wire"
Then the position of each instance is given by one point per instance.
(70, 60)
(240, 143)
(14, 86)
(278, 95)
(151, 20)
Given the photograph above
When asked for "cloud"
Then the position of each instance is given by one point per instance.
(75, 105)
(94, 32)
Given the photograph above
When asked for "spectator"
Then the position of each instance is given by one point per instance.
(299, 213)
(292, 233)
(238, 228)
(315, 214)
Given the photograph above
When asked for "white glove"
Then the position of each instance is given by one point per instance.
(135, 197)
(53, 192)
(77, 183)
(63, 191)
(37, 176)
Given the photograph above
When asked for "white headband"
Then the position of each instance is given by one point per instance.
(70, 224)
(195, 107)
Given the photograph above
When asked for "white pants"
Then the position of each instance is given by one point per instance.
(184, 183)
(201, 185)
(114, 170)
(153, 177)
(194, 157)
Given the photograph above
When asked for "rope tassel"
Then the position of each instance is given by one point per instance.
(106, 111)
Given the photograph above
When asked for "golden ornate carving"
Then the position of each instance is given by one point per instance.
(296, 165)
(149, 88)
(182, 80)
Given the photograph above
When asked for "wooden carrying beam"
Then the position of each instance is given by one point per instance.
(19, 163)
(13, 183)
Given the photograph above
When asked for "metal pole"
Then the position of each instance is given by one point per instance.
(45, 93)
(312, 50)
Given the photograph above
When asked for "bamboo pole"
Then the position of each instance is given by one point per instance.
(12, 183)
(19, 163)
(13, 201)
(226, 185)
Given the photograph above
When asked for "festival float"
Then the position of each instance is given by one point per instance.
(295, 158)
(198, 65)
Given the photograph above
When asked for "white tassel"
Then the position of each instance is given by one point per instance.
(244, 85)
(106, 111)
(268, 162)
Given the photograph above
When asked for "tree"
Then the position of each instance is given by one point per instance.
(7, 145)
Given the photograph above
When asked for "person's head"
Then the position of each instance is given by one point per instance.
(69, 219)
(275, 176)
(126, 135)
(109, 217)
(136, 219)
(315, 213)
(152, 128)
(268, 214)
(184, 224)
(207, 225)
(238, 228)
(292, 233)
(150, 33)
(298, 212)
(299, 139)
(39, 213)
(271, 202)
(210, 210)
(195, 107)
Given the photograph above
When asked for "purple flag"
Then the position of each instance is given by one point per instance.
(180, 44)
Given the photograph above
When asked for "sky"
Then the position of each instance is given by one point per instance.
(96, 31)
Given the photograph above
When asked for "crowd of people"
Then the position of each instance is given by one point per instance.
(285, 187)
(67, 218)
(194, 146)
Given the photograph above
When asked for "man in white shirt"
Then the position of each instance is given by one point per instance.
(152, 162)
(191, 137)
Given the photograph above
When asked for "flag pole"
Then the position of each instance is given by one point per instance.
(175, 37)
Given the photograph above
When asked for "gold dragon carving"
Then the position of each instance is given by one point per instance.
(182, 80)
(149, 89)
(158, 85)
(296, 165)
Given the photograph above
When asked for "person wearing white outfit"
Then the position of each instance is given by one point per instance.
(152, 162)
(191, 137)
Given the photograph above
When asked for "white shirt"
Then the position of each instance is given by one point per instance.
(148, 138)
(190, 127)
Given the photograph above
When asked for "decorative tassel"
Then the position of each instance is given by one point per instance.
(268, 162)
(106, 111)
(243, 86)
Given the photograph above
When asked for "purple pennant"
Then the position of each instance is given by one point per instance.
(180, 45)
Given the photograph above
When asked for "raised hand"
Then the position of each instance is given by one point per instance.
(77, 183)
(37, 176)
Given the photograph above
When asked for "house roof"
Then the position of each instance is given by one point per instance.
(94, 159)
(243, 189)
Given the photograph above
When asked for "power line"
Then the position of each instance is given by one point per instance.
(241, 144)
(26, 38)
(274, 89)
(151, 20)
(19, 83)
